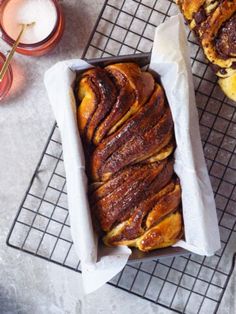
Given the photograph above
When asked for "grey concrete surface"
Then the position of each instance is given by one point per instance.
(28, 284)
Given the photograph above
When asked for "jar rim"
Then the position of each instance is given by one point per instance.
(11, 41)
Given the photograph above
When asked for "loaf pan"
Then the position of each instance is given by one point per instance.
(143, 60)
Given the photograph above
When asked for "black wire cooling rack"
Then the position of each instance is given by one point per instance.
(186, 284)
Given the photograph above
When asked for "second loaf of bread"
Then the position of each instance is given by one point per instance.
(214, 23)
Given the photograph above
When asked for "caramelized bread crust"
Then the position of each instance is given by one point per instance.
(114, 145)
(127, 132)
(214, 23)
(97, 94)
(135, 87)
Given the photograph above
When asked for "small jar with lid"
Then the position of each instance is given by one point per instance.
(45, 32)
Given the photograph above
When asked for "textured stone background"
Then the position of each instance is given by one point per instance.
(29, 284)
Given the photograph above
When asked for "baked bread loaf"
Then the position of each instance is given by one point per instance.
(127, 132)
(214, 23)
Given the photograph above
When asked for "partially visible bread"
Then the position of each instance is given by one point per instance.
(190, 7)
(214, 23)
(228, 85)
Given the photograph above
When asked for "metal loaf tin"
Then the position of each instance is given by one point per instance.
(143, 60)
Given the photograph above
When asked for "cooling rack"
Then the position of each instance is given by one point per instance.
(185, 284)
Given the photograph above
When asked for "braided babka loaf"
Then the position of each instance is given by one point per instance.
(214, 23)
(127, 132)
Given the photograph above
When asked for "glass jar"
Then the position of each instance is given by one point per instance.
(6, 82)
(42, 47)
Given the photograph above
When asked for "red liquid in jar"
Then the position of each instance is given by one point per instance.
(6, 82)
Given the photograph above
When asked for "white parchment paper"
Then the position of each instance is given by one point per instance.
(171, 60)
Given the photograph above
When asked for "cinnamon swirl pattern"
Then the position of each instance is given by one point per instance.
(214, 23)
(127, 132)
